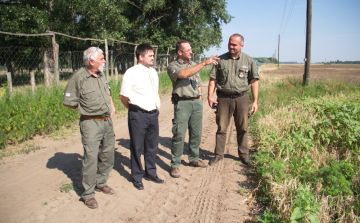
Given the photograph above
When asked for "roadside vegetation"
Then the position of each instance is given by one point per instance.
(26, 115)
(308, 142)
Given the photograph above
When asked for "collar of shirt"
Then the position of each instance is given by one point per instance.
(238, 58)
(181, 61)
(145, 68)
(99, 74)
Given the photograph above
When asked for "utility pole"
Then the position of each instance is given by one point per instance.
(279, 50)
(306, 78)
(274, 56)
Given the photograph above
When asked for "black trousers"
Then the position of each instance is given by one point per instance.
(144, 137)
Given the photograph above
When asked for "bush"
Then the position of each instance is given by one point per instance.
(25, 114)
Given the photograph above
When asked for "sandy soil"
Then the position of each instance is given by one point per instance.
(30, 183)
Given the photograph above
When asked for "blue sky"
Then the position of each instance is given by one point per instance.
(335, 29)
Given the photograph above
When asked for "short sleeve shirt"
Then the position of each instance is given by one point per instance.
(233, 76)
(141, 85)
(184, 87)
(89, 94)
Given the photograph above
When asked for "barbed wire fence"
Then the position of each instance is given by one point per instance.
(46, 64)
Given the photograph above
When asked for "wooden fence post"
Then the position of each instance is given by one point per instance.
(112, 62)
(155, 59)
(159, 66)
(135, 60)
(107, 59)
(46, 70)
(32, 82)
(56, 60)
(56, 66)
(8, 75)
(116, 75)
(167, 57)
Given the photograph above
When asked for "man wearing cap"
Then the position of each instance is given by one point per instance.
(89, 93)
(235, 74)
(188, 108)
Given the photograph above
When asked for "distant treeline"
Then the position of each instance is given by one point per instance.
(345, 62)
(266, 59)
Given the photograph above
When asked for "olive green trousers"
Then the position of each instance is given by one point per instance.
(187, 115)
(98, 140)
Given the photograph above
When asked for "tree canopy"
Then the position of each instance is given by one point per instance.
(157, 22)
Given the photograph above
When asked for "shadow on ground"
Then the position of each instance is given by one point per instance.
(70, 164)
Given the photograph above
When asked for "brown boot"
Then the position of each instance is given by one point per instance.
(175, 172)
(105, 189)
(199, 163)
(91, 203)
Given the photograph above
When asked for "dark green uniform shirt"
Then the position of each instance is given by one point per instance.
(90, 94)
(184, 87)
(233, 76)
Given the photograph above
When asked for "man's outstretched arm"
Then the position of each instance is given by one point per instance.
(190, 71)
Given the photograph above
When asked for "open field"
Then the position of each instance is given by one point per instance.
(344, 72)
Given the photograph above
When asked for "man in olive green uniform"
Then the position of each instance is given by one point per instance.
(89, 93)
(188, 107)
(235, 74)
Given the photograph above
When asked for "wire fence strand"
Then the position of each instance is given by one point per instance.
(50, 63)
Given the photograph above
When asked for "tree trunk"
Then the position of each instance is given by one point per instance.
(175, 14)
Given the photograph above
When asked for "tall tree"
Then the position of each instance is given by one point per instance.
(26, 16)
(158, 22)
(164, 22)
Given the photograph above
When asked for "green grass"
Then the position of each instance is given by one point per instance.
(65, 188)
(204, 74)
(282, 93)
(165, 85)
(25, 114)
(309, 144)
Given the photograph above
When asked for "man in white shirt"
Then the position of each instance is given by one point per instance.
(139, 93)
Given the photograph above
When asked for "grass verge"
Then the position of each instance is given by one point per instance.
(308, 160)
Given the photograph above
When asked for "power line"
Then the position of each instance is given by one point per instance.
(282, 19)
(289, 15)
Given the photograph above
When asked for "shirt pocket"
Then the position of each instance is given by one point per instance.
(89, 95)
(222, 76)
(242, 77)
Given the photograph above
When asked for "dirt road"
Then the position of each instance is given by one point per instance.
(30, 183)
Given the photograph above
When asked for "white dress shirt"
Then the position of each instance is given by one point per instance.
(141, 85)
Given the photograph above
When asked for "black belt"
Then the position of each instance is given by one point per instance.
(232, 96)
(188, 99)
(150, 112)
(136, 108)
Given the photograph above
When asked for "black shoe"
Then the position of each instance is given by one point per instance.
(215, 160)
(155, 180)
(138, 185)
(246, 161)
